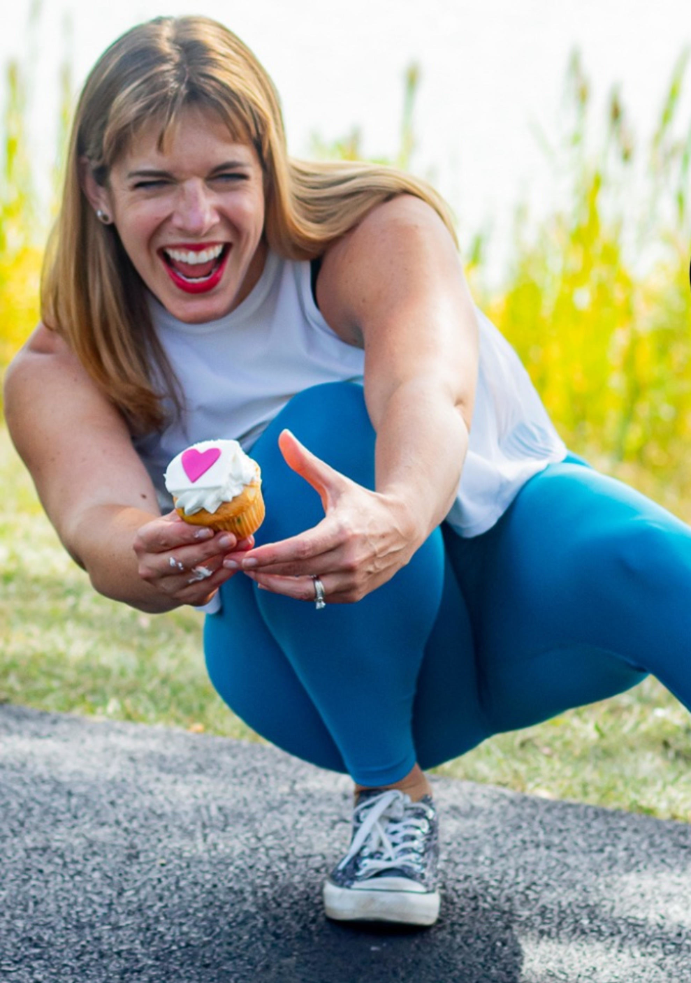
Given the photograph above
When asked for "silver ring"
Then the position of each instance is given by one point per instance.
(200, 573)
(319, 594)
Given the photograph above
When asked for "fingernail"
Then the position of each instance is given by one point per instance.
(203, 533)
(230, 564)
(225, 542)
(247, 564)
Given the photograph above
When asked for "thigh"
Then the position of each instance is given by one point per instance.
(582, 588)
(359, 663)
(350, 669)
(252, 675)
(448, 715)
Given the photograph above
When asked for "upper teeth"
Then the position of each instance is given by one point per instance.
(187, 256)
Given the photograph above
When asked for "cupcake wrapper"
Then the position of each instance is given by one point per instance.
(242, 516)
(246, 522)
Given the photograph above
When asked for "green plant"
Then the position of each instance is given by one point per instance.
(349, 147)
(597, 300)
(24, 220)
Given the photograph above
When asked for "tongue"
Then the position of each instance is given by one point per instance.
(194, 271)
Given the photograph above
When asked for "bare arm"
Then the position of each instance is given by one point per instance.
(93, 486)
(395, 285)
(398, 280)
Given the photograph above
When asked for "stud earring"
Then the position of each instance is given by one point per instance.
(103, 216)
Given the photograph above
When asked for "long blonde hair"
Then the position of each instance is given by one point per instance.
(91, 293)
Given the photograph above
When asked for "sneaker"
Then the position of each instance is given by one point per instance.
(390, 872)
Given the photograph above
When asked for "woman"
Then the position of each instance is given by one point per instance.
(202, 284)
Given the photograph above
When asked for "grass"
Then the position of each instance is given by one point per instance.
(63, 648)
(597, 304)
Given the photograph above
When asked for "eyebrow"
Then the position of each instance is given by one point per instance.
(228, 165)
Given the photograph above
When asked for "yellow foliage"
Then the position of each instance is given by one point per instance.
(606, 339)
(19, 299)
(20, 233)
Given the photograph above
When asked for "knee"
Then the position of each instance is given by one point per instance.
(333, 398)
(651, 553)
(634, 562)
(331, 420)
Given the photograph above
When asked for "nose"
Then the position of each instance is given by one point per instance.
(195, 208)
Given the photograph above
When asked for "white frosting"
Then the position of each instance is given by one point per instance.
(223, 481)
(239, 372)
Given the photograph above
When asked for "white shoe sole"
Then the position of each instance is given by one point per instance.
(402, 907)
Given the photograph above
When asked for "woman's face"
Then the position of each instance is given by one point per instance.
(191, 217)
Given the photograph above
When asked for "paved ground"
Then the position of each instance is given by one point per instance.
(132, 853)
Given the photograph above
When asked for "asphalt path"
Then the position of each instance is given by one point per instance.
(132, 853)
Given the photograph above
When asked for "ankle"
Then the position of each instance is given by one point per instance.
(414, 784)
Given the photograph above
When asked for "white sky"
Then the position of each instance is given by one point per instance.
(490, 69)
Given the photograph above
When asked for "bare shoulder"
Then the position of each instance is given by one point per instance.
(401, 247)
(45, 374)
(45, 359)
(55, 411)
(403, 211)
(403, 225)
(43, 341)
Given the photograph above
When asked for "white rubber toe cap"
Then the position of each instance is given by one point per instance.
(379, 902)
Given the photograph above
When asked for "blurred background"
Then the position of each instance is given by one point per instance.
(561, 136)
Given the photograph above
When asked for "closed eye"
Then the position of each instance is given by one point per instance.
(230, 176)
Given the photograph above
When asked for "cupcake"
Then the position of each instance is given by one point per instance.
(214, 483)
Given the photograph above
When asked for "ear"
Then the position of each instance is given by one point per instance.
(97, 194)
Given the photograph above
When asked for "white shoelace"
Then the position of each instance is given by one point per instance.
(399, 839)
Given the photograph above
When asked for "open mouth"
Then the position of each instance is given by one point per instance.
(195, 269)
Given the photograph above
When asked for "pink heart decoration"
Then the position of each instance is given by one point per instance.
(196, 463)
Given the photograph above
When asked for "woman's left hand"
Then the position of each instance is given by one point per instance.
(363, 540)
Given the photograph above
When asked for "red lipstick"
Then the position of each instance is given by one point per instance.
(204, 284)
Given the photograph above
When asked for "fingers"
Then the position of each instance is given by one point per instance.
(312, 565)
(293, 556)
(182, 561)
(181, 545)
(192, 589)
(353, 551)
(345, 576)
(337, 589)
(297, 555)
(299, 588)
(175, 570)
(323, 478)
(170, 531)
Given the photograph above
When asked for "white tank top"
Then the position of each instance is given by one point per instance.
(238, 372)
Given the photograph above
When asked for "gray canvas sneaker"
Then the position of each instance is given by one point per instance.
(390, 872)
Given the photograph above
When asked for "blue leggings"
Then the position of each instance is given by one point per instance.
(581, 589)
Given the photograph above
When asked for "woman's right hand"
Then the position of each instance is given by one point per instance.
(182, 561)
